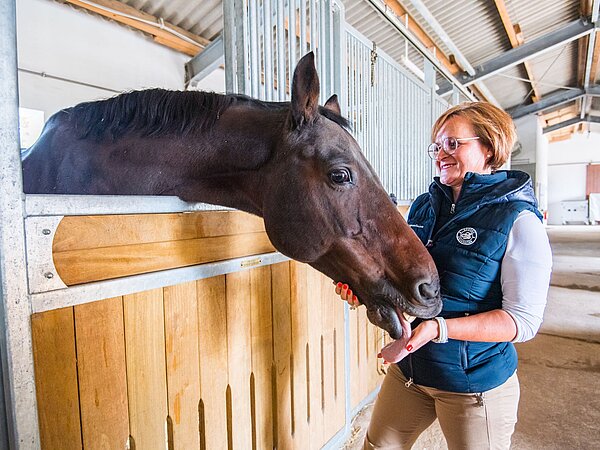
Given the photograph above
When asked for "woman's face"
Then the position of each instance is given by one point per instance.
(470, 156)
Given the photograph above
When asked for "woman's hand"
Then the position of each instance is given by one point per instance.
(344, 291)
(410, 342)
(422, 334)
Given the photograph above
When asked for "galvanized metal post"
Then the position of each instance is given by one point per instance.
(229, 45)
(21, 421)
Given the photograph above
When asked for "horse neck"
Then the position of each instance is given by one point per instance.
(230, 161)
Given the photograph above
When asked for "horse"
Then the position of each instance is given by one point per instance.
(295, 164)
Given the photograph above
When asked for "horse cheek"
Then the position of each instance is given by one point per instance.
(290, 236)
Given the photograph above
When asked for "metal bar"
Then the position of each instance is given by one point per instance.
(543, 44)
(553, 100)
(229, 41)
(85, 293)
(439, 30)
(254, 50)
(18, 419)
(267, 50)
(85, 205)
(241, 30)
(383, 9)
(291, 43)
(205, 62)
(569, 122)
(591, 44)
(303, 32)
(280, 35)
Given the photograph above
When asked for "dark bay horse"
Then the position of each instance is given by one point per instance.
(294, 164)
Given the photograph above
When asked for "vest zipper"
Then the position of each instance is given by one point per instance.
(452, 208)
(410, 381)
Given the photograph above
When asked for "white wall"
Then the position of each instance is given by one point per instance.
(567, 161)
(527, 135)
(94, 57)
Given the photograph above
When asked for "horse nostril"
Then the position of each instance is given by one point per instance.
(428, 290)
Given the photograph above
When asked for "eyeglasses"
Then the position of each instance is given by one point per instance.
(449, 145)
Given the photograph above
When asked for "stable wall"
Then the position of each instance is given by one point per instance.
(567, 162)
(85, 57)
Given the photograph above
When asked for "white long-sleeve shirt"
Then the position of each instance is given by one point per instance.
(525, 274)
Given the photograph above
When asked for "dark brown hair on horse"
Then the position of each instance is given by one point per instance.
(295, 164)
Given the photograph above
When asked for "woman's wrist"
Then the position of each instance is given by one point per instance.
(442, 334)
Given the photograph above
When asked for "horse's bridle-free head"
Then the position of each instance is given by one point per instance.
(326, 206)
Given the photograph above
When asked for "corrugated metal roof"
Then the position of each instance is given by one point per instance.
(507, 90)
(474, 27)
(557, 67)
(539, 17)
(203, 18)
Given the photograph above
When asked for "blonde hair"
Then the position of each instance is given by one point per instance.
(494, 127)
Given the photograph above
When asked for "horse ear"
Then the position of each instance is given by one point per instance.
(305, 91)
(333, 105)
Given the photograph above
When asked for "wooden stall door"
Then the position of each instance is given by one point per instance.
(248, 360)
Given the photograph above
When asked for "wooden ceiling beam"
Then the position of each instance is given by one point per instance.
(516, 39)
(422, 36)
(162, 32)
(595, 60)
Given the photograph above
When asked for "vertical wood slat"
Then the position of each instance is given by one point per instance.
(146, 371)
(315, 360)
(328, 356)
(102, 374)
(334, 409)
(355, 359)
(212, 332)
(262, 356)
(239, 360)
(183, 365)
(56, 379)
(299, 342)
(281, 295)
(340, 344)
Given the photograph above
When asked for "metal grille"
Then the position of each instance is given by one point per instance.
(391, 114)
(261, 54)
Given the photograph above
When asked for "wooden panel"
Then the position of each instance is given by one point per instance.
(83, 232)
(239, 357)
(355, 358)
(212, 335)
(333, 402)
(592, 179)
(183, 365)
(56, 379)
(262, 356)
(299, 346)
(146, 372)
(282, 353)
(315, 363)
(340, 359)
(102, 374)
(82, 266)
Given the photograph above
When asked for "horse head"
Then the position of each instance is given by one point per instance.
(324, 205)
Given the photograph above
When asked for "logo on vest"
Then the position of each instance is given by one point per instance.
(466, 236)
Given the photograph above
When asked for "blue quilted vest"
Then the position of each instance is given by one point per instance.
(468, 250)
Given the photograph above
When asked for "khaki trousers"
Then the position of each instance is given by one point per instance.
(468, 421)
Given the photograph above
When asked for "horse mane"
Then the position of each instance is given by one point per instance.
(161, 112)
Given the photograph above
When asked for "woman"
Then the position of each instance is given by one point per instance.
(484, 232)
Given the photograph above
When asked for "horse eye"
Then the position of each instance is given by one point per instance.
(340, 176)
